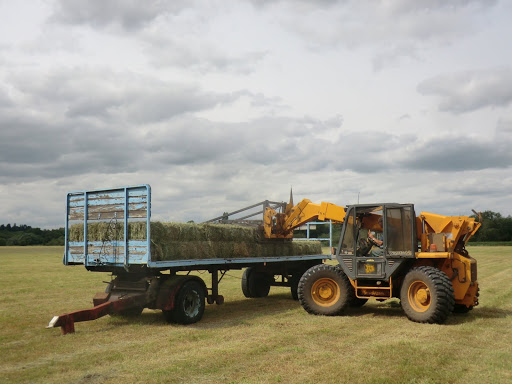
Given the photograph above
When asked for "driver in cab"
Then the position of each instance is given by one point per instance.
(377, 243)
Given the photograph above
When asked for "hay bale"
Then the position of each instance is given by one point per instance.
(187, 241)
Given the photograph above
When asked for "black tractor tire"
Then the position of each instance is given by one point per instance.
(255, 284)
(427, 295)
(325, 290)
(189, 303)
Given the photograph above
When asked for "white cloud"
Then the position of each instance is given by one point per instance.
(470, 90)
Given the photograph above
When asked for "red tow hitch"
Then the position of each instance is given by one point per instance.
(102, 307)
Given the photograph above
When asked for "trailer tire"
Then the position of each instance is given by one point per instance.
(255, 284)
(325, 290)
(189, 304)
(427, 295)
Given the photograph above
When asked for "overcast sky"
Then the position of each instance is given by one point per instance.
(220, 104)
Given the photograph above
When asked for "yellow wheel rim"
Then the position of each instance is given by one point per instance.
(325, 292)
(419, 296)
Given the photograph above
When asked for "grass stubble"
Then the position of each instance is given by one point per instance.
(269, 340)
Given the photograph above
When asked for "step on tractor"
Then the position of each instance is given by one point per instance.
(385, 251)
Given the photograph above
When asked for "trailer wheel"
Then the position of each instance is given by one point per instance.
(255, 284)
(325, 290)
(427, 295)
(189, 304)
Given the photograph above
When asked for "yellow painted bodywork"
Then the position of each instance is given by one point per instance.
(453, 260)
(281, 225)
(453, 228)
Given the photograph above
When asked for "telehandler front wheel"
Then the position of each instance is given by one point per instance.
(324, 290)
(427, 295)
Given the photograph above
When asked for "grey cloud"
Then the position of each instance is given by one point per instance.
(161, 104)
(129, 14)
(393, 55)
(83, 123)
(398, 30)
(397, 6)
(193, 50)
(470, 90)
(504, 126)
(5, 100)
(445, 154)
(116, 96)
(365, 152)
(405, 6)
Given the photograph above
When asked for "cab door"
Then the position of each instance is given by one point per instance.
(399, 231)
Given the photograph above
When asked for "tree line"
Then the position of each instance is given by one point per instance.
(26, 235)
(495, 228)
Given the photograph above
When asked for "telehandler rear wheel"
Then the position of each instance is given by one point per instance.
(427, 295)
(324, 290)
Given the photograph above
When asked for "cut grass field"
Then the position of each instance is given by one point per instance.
(268, 340)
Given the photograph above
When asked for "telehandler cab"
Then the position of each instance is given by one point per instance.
(420, 260)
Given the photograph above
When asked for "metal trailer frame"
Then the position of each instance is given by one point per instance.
(139, 282)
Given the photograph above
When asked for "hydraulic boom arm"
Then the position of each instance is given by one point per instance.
(281, 225)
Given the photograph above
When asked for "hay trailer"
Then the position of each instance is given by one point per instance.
(138, 280)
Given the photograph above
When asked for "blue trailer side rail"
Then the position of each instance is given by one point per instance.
(112, 210)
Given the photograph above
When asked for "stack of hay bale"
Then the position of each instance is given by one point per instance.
(186, 241)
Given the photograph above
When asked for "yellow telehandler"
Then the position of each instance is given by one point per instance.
(386, 251)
